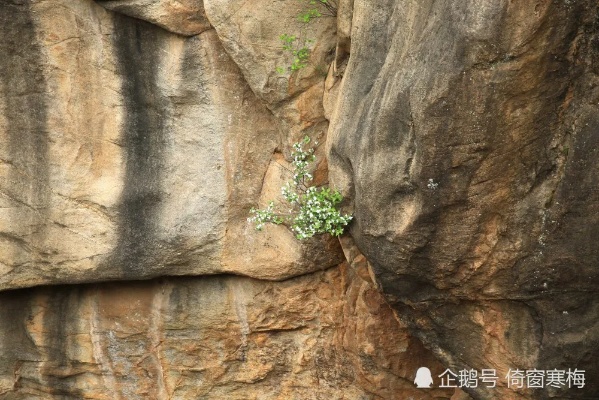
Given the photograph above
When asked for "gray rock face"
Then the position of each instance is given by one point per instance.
(465, 137)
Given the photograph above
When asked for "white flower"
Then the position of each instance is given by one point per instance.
(432, 185)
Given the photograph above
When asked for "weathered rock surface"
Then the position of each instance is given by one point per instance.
(184, 17)
(328, 335)
(465, 136)
(250, 31)
(140, 155)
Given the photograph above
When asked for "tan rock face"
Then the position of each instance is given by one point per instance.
(131, 148)
(250, 32)
(326, 335)
(464, 139)
(141, 156)
(184, 17)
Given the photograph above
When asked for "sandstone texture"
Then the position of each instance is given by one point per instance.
(327, 335)
(465, 135)
(135, 136)
(184, 17)
(250, 31)
(128, 152)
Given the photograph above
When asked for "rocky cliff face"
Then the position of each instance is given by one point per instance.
(136, 134)
(133, 148)
(480, 223)
(324, 335)
(130, 152)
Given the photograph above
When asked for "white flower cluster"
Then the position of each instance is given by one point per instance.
(261, 217)
(301, 161)
(290, 194)
(318, 214)
(312, 210)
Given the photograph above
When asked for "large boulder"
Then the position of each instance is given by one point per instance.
(465, 138)
(129, 152)
(251, 31)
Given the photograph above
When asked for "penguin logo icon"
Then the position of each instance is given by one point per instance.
(423, 378)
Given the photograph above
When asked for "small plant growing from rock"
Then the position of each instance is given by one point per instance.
(308, 210)
(328, 8)
(299, 48)
(432, 185)
(309, 14)
(300, 53)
